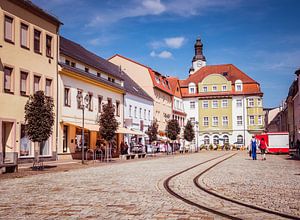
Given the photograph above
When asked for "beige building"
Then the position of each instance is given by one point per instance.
(28, 51)
(154, 83)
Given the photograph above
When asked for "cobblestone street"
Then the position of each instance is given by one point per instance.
(134, 190)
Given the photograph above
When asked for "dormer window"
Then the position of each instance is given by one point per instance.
(192, 88)
(111, 79)
(238, 86)
(224, 88)
(157, 79)
(205, 89)
(86, 69)
(214, 88)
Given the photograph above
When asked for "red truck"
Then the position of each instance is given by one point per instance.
(278, 142)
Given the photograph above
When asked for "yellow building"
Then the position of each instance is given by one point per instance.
(28, 51)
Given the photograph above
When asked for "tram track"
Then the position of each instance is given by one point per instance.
(189, 201)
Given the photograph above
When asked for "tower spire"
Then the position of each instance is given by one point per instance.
(199, 59)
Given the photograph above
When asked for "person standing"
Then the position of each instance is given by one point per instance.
(253, 145)
(263, 148)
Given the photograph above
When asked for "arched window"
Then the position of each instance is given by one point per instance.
(192, 88)
(226, 139)
(238, 85)
(240, 139)
(216, 139)
(206, 139)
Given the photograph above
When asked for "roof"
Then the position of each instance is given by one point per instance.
(28, 5)
(162, 83)
(174, 83)
(90, 75)
(77, 52)
(229, 71)
(131, 87)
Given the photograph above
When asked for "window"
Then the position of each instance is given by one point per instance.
(224, 103)
(239, 103)
(206, 140)
(251, 120)
(79, 102)
(192, 88)
(215, 121)
(205, 121)
(145, 114)
(157, 79)
(238, 85)
(216, 140)
(100, 98)
(259, 103)
(90, 103)
(260, 121)
(37, 41)
(239, 120)
(48, 89)
(240, 139)
(8, 80)
(45, 148)
(48, 46)
(111, 79)
(24, 36)
(225, 121)
(67, 97)
(149, 115)
(224, 88)
(251, 102)
(214, 88)
(205, 104)
(140, 113)
(36, 83)
(98, 74)
(73, 64)
(86, 69)
(135, 112)
(8, 28)
(109, 101)
(215, 104)
(205, 89)
(226, 139)
(130, 110)
(24, 83)
(118, 108)
(25, 143)
(192, 105)
(67, 62)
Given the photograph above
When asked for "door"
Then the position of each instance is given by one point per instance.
(7, 137)
(65, 139)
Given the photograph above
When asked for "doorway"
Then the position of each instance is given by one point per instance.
(65, 139)
(7, 137)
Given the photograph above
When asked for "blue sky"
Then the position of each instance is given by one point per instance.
(261, 37)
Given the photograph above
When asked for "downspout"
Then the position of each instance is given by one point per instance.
(57, 103)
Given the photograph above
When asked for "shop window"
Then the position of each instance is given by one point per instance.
(26, 148)
(206, 140)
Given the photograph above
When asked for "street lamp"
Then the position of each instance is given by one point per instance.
(83, 105)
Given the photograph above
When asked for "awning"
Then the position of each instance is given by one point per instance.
(123, 130)
(95, 127)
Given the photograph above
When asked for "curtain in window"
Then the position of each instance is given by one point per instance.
(24, 31)
(23, 82)
(8, 28)
(7, 78)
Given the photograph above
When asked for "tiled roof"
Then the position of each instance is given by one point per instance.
(27, 4)
(90, 75)
(133, 88)
(174, 82)
(162, 83)
(229, 71)
(77, 52)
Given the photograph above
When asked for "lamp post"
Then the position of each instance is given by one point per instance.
(83, 105)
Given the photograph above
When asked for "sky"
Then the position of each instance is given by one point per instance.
(260, 37)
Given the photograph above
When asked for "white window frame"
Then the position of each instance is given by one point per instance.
(251, 120)
(215, 121)
(215, 102)
(205, 121)
(260, 120)
(239, 120)
(205, 104)
(259, 102)
(225, 121)
(223, 103)
(239, 103)
(205, 89)
(214, 88)
(251, 102)
(192, 105)
(224, 88)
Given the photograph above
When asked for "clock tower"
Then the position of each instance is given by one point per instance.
(199, 59)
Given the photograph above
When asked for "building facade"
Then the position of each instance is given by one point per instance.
(99, 82)
(155, 85)
(223, 101)
(29, 52)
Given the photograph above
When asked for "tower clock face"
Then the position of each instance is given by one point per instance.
(199, 63)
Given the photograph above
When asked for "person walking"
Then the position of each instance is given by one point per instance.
(253, 145)
(263, 147)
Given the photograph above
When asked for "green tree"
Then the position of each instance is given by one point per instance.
(108, 126)
(39, 118)
(172, 131)
(152, 131)
(189, 133)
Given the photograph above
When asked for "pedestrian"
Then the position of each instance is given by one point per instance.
(263, 147)
(253, 145)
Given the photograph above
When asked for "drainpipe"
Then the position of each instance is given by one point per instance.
(57, 90)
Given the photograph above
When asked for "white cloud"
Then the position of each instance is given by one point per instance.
(174, 42)
(164, 54)
(154, 6)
